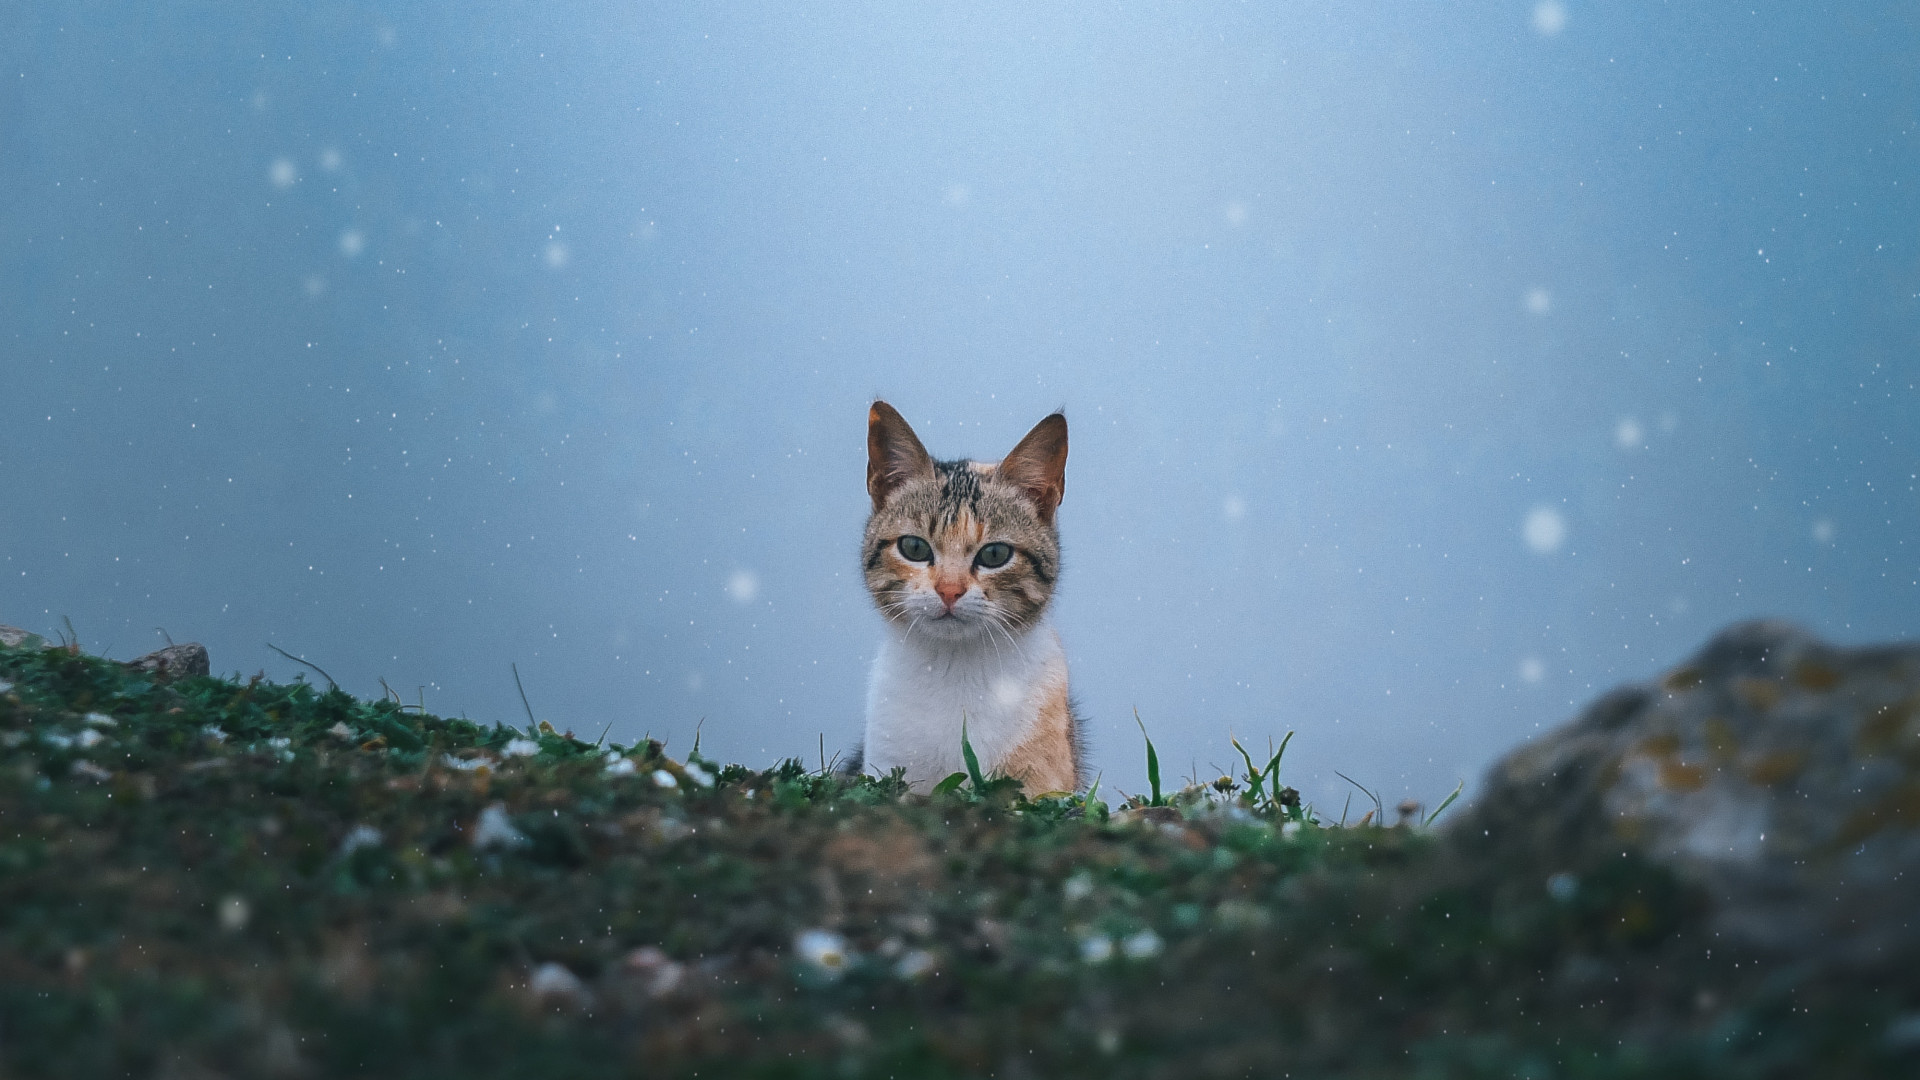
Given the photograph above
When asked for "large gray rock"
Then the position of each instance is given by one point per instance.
(1780, 773)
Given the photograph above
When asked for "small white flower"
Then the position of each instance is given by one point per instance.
(1142, 945)
(494, 830)
(11, 739)
(1078, 887)
(93, 772)
(214, 732)
(55, 738)
(664, 778)
(824, 950)
(341, 731)
(88, 737)
(358, 837)
(1290, 830)
(279, 742)
(913, 963)
(100, 719)
(620, 766)
(5, 686)
(1096, 949)
(520, 748)
(698, 775)
(465, 764)
(234, 913)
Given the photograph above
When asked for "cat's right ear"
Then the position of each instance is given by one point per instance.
(894, 453)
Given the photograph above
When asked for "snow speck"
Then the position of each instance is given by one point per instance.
(330, 159)
(743, 586)
(1563, 887)
(556, 254)
(1627, 434)
(1096, 949)
(1549, 17)
(1544, 530)
(1532, 670)
(352, 243)
(1234, 508)
(1007, 692)
(282, 173)
(1823, 531)
(1538, 301)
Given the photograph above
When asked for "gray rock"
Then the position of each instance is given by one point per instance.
(175, 661)
(13, 637)
(1778, 772)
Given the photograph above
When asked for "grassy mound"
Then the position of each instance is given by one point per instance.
(215, 878)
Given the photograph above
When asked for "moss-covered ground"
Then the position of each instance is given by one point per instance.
(213, 877)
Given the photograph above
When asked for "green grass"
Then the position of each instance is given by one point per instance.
(235, 878)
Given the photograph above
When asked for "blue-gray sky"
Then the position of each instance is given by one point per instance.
(1430, 367)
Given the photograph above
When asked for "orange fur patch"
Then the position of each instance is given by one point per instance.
(1044, 760)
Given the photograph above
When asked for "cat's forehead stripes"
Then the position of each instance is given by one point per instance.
(959, 489)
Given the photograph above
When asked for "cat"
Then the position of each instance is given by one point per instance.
(961, 559)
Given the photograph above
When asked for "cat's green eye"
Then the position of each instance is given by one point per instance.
(915, 549)
(994, 555)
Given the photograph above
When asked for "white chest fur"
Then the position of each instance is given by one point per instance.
(921, 689)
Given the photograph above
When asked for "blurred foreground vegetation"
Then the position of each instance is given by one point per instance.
(212, 877)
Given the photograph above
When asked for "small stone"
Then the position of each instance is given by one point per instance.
(175, 661)
(553, 984)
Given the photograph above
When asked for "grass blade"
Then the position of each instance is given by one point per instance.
(1256, 783)
(1273, 763)
(1153, 763)
(1446, 802)
(972, 759)
(1379, 808)
(950, 784)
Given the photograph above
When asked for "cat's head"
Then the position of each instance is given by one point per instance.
(962, 550)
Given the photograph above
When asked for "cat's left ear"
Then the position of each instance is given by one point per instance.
(1038, 466)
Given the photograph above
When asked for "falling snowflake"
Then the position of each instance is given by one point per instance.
(1549, 17)
(1544, 530)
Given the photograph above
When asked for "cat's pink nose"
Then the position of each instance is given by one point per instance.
(950, 592)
